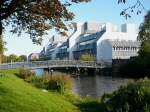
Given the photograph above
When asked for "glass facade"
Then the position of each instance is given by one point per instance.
(63, 51)
(87, 44)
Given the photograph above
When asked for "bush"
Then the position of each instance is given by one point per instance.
(39, 82)
(60, 83)
(87, 57)
(134, 97)
(137, 67)
(24, 74)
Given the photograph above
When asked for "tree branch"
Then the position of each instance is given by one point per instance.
(138, 7)
(10, 9)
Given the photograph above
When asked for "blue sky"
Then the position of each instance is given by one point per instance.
(96, 10)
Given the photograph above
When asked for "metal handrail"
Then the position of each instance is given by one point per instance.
(53, 63)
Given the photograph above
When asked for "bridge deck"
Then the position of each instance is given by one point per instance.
(53, 64)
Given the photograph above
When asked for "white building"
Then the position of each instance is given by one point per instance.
(127, 34)
(73, 40)
(49, 52)
(101, 40)
(118, 49)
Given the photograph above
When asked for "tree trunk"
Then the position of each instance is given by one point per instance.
(1, 42)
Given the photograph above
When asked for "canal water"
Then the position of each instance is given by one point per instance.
(94, 86)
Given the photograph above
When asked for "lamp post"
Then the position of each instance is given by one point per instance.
(67, 70)
(50, 71)
(11, 63)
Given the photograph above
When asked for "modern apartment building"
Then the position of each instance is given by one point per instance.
(50, 51)
(101, 40)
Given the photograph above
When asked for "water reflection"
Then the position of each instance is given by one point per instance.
(93, 86)
(96, 86)
(38, 72)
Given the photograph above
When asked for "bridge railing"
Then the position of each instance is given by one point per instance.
(52, 63)
(61, 63)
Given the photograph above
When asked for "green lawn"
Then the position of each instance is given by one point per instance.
(18, 96)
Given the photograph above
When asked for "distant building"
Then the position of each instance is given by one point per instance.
(63, 52)
(49, 52)
(33, 57)
(101, 40)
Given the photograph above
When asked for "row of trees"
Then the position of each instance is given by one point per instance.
(14, 58)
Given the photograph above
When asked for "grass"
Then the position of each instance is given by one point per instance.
(19, 96)
(16, 95)
(90, 105)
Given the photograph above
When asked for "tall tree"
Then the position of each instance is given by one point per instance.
(144, 36)
(2, 47)
(35, 17)
(23, 58)
(1, 43)
(139, 66)
(12, 58)
(144, 33)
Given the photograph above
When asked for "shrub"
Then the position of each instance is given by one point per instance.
(39, 82)
(134, 97)
(24, 74)
(46, 77)
(87, 57)
(60, 83)
(57, 82)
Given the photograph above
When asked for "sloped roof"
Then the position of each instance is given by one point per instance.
(91, 36)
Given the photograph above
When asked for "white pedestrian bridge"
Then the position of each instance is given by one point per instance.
(54, 64)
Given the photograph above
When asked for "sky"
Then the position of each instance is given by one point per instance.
(94, 11)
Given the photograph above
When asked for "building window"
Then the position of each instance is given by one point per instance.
(114, 48)
(125, 48)
(120, 48)
(85, 26)
(128, 48)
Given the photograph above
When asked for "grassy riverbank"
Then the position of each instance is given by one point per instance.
(16, 95)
